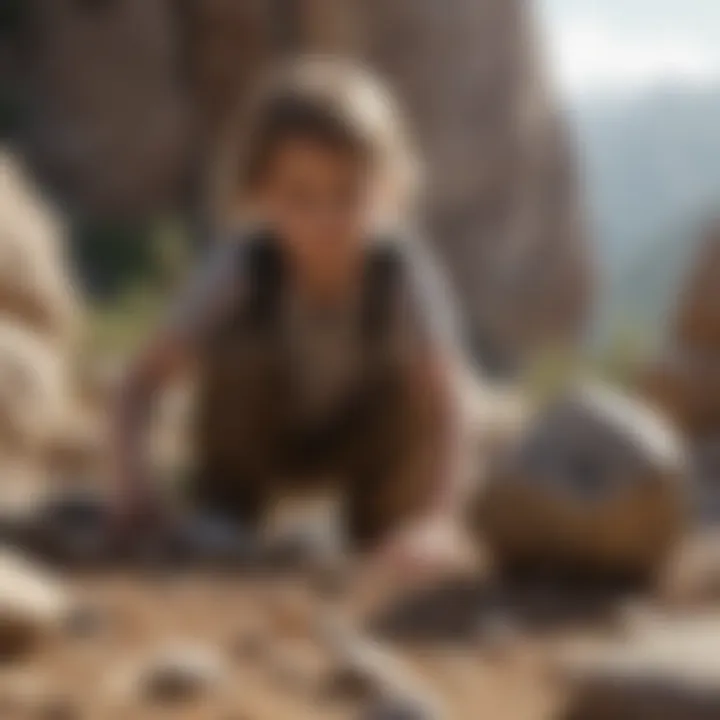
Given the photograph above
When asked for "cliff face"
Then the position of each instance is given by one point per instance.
(128, 91)
(108, 122)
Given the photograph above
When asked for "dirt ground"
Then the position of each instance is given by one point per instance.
(476, 652)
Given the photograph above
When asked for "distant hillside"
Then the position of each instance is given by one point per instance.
(653, 172)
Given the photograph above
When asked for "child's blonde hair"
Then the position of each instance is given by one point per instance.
(332, 102)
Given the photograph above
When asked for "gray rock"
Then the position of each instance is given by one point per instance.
(595, 484)
(181, 673)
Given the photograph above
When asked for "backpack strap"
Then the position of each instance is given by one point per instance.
(264, 271)
(383, 280)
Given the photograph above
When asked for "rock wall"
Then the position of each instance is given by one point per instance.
(109, 121)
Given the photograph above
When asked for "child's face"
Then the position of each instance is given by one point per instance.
(318, 198)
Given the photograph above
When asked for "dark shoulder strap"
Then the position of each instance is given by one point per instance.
(263, 270)
(384, 271)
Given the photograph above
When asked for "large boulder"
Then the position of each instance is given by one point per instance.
(593, 484)
(36, 288)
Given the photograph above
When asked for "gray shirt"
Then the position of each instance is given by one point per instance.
(324, 347)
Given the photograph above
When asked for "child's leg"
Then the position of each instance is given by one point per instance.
(387, 467)
(239, 437)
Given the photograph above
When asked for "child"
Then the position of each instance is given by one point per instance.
(323, 341)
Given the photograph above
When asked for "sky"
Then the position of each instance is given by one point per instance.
(601, 47)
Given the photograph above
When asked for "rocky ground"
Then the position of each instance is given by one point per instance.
(224, 648)
(154, 641)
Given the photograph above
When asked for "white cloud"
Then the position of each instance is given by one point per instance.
(592, 56)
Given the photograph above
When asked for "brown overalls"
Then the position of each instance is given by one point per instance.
(257, 439)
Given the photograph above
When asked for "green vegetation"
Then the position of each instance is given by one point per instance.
(119, 326)
(130, 274)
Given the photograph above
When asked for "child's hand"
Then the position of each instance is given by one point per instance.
(423, 549)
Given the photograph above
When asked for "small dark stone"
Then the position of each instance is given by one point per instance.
(85, 622)
(181, 674)
(397, 709)
(350, 683)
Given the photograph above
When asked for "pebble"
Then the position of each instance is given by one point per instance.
(181, 673)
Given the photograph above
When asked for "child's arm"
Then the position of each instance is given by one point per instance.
(434, 466)
(437, 366)
(210, 294)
